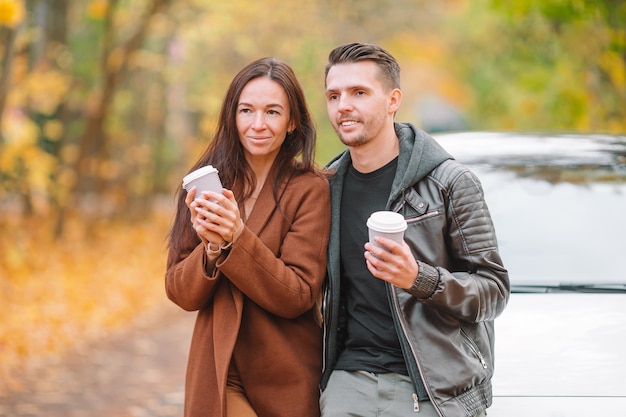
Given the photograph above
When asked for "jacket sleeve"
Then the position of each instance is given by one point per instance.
(472, 283)
(287, 281)
(187, 282)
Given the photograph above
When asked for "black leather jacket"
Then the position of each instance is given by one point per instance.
(445, 321)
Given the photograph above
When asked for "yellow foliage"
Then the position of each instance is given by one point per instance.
(39, 166)
(11, 12)
(138, 155)
(149, 60)
(46, 89)
(19, 132)
(66, 179)
(53, 129)
(21, 157)
(109, 169)
(41, 90)
(70, 153)
(57, 295)
(97, 9)
(613, 64)
(115, 59)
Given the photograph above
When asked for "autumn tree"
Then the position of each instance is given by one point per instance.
(543, 65)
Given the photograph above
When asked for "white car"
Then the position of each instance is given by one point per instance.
(558, 203)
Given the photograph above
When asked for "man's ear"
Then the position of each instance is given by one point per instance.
(395, 98)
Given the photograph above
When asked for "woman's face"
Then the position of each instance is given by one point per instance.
(263, 119)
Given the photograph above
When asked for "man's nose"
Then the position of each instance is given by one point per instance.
(344, 104)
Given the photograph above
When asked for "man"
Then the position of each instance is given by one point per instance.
(408, 328)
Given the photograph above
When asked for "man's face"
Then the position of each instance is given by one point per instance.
(358, 104)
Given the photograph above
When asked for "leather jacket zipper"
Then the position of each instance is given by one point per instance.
(474, 349)
(326, 316)
(423, 216)
(396, 310)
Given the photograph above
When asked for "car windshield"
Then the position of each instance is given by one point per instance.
(557, 204)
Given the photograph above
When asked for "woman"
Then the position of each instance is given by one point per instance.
(252, 259)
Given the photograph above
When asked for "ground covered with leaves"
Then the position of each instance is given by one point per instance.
(60, 294)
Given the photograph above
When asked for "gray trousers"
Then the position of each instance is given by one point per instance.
(364, 394)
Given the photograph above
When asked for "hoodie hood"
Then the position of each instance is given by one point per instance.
(419, 155)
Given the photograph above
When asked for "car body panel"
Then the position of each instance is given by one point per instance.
(561, 344)
(557, 407)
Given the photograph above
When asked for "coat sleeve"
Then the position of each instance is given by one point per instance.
(187, 282)
(288, 281)
(473, 285)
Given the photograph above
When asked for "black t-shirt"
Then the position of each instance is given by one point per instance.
(371, 340)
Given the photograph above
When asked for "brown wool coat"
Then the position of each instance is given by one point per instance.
(257, 306)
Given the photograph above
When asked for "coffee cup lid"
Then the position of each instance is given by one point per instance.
(387, 221)
(198, 173)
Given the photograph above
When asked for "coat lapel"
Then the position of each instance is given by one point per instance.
(265, 204)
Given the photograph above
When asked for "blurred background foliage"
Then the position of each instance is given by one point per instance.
(111, 100)
(104, 104)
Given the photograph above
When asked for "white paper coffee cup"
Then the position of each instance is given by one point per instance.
(204, 179)
(388, 224)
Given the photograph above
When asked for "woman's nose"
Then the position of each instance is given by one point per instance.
(259, 121)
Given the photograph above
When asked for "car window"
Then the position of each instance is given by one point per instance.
(558, 207)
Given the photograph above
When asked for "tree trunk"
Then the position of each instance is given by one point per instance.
(93, 142)
(8, 35)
